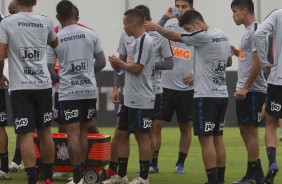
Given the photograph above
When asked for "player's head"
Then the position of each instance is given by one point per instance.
(183, 6)
(133, 20)
(242, 8)
(192, 21)
(13, 7)
(146, 12)
(65, 10)
(26, 3)
(76, 13)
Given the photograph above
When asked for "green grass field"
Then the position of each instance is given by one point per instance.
(194, 170)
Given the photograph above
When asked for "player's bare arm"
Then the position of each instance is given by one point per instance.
(53, 43)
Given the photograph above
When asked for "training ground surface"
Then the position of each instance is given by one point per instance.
(194, 170)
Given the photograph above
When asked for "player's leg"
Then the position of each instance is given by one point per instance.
(15, 165)
(280, 127)
(154, 162)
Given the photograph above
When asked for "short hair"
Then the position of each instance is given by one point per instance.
(76, 12)
(27, 2)
(65, 10)
(190, 2)
(189, 17)
(248, 4)
(145, 10)
(136, 15)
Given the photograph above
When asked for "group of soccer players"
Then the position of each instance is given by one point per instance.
(176, 68)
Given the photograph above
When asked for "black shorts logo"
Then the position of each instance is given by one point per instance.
(209, 126)
(147, 122)
(71, 114)
(91, 112)
(31, 53)
(21, 122)
(3, 116)
(275, 106)
(47, 117)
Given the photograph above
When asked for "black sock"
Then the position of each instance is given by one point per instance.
(17, 157)
(212, 175)
(82, 168)
(113, 166)
(220, 174)
(181, 158)
(48, 170)
(144, 169)
(122, 166)
(155, 158)
(76, 171)
(251, 170)
(31, 175)
(4, 162)
(259, 171)
(271, 154)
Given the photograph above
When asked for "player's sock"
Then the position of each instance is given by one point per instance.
(155, 158)
(76, 170)
(271, 154)
(181, 158)
(17, 156)
(31, 175)
(82, 168)
(48, 170)
(212, 176)
(251, 170)
(4, 162)
(220, 174)
(113, 166)
(259, 171)
(122, 166)
(144, 169)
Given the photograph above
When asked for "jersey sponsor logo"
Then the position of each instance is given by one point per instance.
(62, 153)
(70, 38)
(3, 116)
(222, 91)
(28, 70)
(88, 92)
(222, 39)
(209, 126)
(37, 83)
(80, 82)
(91, 112)
(219, 66)
(147, 122)
(30, 24)
(181, 53)
(21, 122)
(78, 66)
(31, 53)
(71, 114)
(275, 106)
(218, 81)
(47, 116)
(241, 55)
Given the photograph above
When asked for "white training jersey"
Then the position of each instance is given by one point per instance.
(27, 34)
(272, 25)
(212, 50)
(246, 60)
(183, 63)
(75, 52)
(138, 89)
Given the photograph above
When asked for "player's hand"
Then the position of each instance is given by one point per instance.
(234, 50)
(4, 82)
(115, 95)
(189, 80)
(241, 94)
(114, 60)
(151, 26)
(169, 14)
(267, 70)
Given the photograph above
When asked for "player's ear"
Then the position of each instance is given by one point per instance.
(58, 17)
(34, 2)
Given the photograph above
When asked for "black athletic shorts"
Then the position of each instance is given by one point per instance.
(73, 111)
(57, 112)
(157, 107)
(209, 116)
(31, 109)
(274, 101)
(121, 108)
(3, 111)
(179, 101)
(249, 109)
(135, 119)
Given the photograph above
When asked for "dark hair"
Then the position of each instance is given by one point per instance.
(76, 12)
(190, 2)
(145, 11)
(65, 9)
(27, 2)
(248, 4)
(189, 17)
(136, 15)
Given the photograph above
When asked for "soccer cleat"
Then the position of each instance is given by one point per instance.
(59, 174)
(153, 169)
(245, 180)
(116, 179)
(110, 173)
(4, 175)
(271, 173)
(259, 180)
(80, 182)
(179, 169)
(139, 180)
(47, 181)
(14, 167)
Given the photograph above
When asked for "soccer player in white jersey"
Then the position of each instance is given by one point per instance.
(25, 36)
(177, 89)
(139, 98)
(212, 56)
(77, 48)
(272, 25)
(250, 89)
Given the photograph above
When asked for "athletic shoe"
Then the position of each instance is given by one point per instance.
(47, 181)
(110, 173)
(14, 167)
(139, 180)
(153, 169)
(179, 169)
(116, 179)
(271, 173)
(59, 174)
(245, 180)
(259, 180)
(4, 175)
(80, 182)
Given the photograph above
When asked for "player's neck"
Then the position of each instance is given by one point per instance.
(249, 20)
(67, 23)
(139, 32)
(25, 8)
